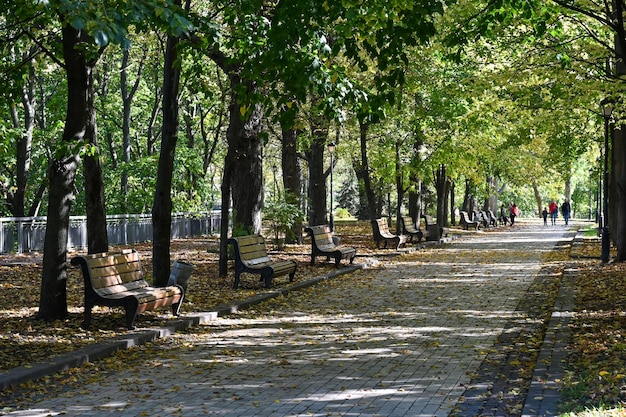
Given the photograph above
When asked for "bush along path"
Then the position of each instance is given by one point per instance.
(437, 332)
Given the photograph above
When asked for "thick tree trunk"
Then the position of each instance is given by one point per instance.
(317, 176)
(162, 205)
(61, 174)
(491, 202)
(97, 239)
(292, 179)
(365, 174)
(53, 297)
(247, 175)
(617, 195)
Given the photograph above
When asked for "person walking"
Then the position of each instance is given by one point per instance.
(503, 216)
(554, 210)
(513, 213)
(566, 210)
(544, 213)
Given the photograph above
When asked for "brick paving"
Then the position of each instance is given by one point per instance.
(406, 339)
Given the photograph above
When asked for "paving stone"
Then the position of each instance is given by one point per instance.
(409, 343)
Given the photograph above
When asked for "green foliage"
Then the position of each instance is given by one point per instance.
(342, 213)
(281, 217)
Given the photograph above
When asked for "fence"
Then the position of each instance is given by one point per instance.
(26, 234)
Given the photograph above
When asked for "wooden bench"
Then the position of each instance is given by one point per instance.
(466, 222)
(435, 232)
(115, 279)
(409, 229)
(251, 256)
(381, 233)
(481, 218)
(322, 244)
(493, 220)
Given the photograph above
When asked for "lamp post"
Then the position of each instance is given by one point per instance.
(607, 109)
(331, 150)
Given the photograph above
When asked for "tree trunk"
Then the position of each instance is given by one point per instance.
(162, 205)
(247, 175)
(617, 194)
(440, 185)
(61, 174)
(468, 205)
(399, 188)
(225, 220)
(292, 178)
(453, 203)
(24, 145)
(317, 176)
(446, 204)
(126, 103)
(97, 239)
(365, 173)
(538, 199)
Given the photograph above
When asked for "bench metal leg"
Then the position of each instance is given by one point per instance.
(87, 317)
(131, 306)
(237, 277)
(266, 276)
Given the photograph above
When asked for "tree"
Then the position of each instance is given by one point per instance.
(84, 36)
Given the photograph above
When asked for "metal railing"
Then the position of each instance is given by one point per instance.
(26, 234)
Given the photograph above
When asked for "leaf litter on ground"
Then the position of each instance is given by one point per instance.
(596, 369)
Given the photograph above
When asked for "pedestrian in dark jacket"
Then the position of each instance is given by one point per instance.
(566, 210)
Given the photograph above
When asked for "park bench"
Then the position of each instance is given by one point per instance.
(323, 244)
(493, 220)
(467, 223)
(251, 256)
(115, 279)
(409, 229)
(480, 218)
(381, 233)
(435, 232)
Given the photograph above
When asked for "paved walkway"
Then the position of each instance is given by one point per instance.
(409, 339)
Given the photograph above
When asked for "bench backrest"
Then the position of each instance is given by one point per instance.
(465, 217)
(114, 272)
(428, 220)
(251, 250)
(321, 234)
(408, 224)
(381, 228)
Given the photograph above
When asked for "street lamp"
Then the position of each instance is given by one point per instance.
(331, 150)
(607, 110)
